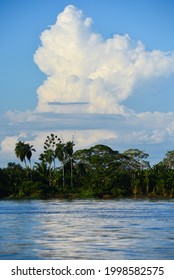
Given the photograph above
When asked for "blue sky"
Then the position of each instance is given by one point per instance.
(131, 108)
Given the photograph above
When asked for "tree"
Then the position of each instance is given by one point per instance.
(60, 153)
(50, 145)
(136, 163)
(69, 152)
(101, 164)
(29, 150)
(168, 160)
(42, 173)
(15, 175)
(136, 159)
(24, 151)
(47, 158)
(20, 151)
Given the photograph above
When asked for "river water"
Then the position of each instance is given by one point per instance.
(86, 229)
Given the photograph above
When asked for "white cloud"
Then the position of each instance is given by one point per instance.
(170, 128)
(8, 144)
(88, 80)
(81, 66)
(136, 131)
(27, 116)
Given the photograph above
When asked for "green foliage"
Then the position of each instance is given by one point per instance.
(24, 151)
(95, 172)
(168, 160)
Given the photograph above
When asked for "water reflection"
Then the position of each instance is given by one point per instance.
(87, 229)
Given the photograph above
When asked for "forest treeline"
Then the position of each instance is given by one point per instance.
(99, 172)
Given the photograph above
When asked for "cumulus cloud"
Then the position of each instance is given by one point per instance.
(89, 79)
(7, 146)
(89, 73)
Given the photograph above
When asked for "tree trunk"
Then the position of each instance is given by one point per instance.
(71, 173)
(63, 174)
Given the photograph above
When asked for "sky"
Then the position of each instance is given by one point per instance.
(95, 71)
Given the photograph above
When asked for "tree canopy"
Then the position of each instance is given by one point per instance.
(98, 171)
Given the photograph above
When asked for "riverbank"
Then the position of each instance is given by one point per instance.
(74, 196)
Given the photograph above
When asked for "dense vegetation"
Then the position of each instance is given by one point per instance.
(95, 172)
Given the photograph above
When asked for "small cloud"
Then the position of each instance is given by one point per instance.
(67, 103)
(8, 144)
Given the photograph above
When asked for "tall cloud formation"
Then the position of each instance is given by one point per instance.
(89, 82)
(90, 74)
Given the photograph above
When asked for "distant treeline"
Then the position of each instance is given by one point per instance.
(98, 172)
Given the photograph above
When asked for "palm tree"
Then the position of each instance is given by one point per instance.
(24, 151)
(60, 153)
(21, 151)
(49, 157)
(29, 149)
(42, 170)
(50, 144)
(69, 151)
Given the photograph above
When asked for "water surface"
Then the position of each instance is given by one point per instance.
(86, 229)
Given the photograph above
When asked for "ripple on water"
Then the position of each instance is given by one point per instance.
(87, 229)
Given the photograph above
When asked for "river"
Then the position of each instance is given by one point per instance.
(86, 229)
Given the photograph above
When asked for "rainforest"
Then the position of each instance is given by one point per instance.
(96, 172)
